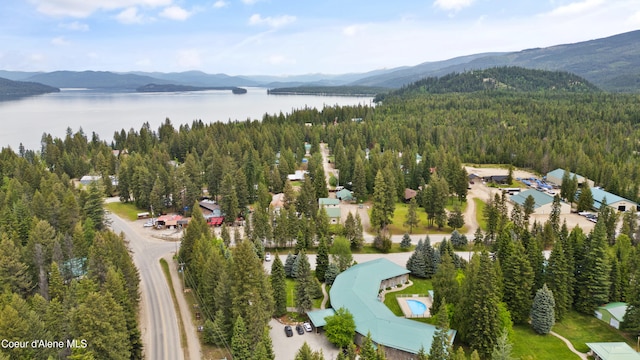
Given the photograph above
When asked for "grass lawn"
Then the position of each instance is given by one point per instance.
(452, 202)
(370, 249)
(581, 329)
(291, 286)
(125, 210)
(420, 286)
(400, 216)
(529, 345)
(480, 205)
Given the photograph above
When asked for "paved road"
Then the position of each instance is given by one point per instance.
(159, 324)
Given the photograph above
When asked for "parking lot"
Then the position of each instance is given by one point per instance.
(285, 348)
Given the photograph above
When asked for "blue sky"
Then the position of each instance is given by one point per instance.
(273, 37)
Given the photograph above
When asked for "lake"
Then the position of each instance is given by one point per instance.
(25, 120)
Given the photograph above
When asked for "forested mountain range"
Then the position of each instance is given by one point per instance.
(10, 89)
(610, 63)
(515, 79)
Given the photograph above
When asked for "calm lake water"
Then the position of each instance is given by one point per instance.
(25, 120)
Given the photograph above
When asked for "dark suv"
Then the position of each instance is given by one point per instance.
(299, 329)
(288, 331)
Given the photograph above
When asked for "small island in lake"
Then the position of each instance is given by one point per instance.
(181, 88)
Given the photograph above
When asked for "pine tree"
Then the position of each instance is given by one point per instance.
(528, 207)
(304, 284)
(412, 215)
(441, 348)
(305, 353)
(288, 264)
(405, 243)
(482, 296)
(367, 352)
(229, 203)
(331, 274)
(503, 348)
(422, 354)
(455, 219)
(417, 264)
(593, 282)
(542, 312)
(585, 199)
(240, 345)
(278, 284)
(445, 284)
(225, 235)
(381, 212)
(359, 178)
(631, 321)
(559, 279)
(250, 291)
(517, 284)
(322, 260)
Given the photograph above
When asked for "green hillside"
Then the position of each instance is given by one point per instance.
(10, 89)
(515, 79)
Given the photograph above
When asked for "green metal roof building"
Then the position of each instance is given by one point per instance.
(357, 289)
(612, 313)
(613, 351)
(328, 202)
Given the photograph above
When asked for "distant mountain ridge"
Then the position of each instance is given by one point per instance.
(611, 63)
(10, 89)
(506, 78)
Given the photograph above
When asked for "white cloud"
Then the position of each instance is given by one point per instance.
(353, 30)
(190, 58)
(250, 2)
(576, 8)
(220, 4)
(130, 16)
(175, 13)
(84, 8)
(274, 22)
(455, 5)
(75, 26)
(60, 41)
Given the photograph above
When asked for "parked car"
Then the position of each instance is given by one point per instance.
(299, 329)
(288, 331)
(307, 327)
(267, 257)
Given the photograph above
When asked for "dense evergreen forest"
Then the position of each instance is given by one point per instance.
(410, 141)
(65, 278)
(328, 90)
(506, 78)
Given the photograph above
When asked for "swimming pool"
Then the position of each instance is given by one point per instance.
(417, 307)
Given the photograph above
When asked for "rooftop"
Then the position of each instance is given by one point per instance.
(356, 289)
(328, 201)
(616, 309)
(614, 351)
(599, 195)
(540, 198)
(559, 173)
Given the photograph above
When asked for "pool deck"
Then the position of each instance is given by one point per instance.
(406, 310)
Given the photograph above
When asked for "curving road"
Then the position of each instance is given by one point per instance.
(159, 323)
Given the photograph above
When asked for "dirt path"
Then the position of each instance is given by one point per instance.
(582, 356)
(193, 342)
(325, 297)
